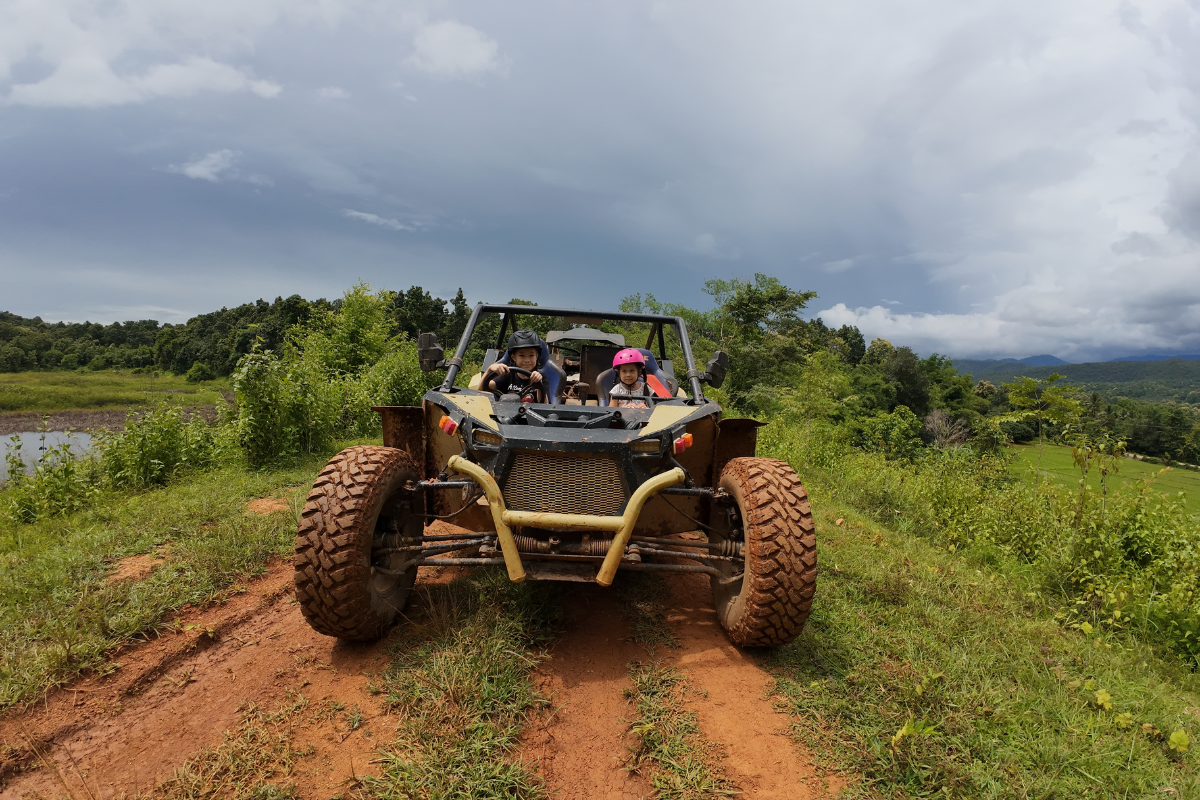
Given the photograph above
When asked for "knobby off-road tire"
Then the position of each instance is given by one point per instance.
(341, 591)
(769, 605)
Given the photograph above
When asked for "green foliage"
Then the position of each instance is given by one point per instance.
(1135, 551)
(199, 373)
(895, 435)
(155, 446)
(29, 344)
(326, 378)
(59, 483)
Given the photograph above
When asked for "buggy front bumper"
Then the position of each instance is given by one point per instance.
(621, 526)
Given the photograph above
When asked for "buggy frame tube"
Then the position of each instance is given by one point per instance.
(455, 364)
(621, 527)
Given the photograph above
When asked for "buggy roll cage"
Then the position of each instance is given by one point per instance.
(510, 312)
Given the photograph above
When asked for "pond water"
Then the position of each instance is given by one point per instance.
(34, 443)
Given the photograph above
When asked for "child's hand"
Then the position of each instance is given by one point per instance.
(535, 377)
(500, 368)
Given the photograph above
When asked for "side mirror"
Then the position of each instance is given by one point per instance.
(715, 369)
(430, 353)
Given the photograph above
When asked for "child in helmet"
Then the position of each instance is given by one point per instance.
(525, 352)
(630, 390)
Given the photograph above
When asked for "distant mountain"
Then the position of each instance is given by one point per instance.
(1043, 361)
(1157, 357)
(1173, 379)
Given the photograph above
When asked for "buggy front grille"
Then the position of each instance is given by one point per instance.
(564, 483)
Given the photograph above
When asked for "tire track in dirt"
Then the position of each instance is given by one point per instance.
(734, 709)
(582, 746)
(179, 692)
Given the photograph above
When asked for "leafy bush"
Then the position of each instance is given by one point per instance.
(199, 373)
(324, 381)
(157, 445)
(60, 482)
(895, 435)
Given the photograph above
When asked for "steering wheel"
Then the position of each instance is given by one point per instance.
(526, 372)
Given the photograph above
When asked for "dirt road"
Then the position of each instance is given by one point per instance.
(110, 737)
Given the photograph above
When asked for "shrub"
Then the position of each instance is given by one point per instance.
(157, 445)
(199, 373)
(285, 405)
(895, 435)
(60, 482)
(322, 384)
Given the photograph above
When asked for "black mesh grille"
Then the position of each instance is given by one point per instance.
(564, 483)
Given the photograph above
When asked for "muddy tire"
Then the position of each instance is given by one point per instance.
(768, 606)
(342, 589)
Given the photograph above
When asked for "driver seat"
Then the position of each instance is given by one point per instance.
(606, 380)
(551, 372)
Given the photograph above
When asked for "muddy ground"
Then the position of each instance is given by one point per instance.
(11, 423)
(113, 736)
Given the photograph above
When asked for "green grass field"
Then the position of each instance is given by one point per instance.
(97, 391)
(1058, 466)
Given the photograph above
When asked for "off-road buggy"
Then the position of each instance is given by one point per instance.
(567, 490)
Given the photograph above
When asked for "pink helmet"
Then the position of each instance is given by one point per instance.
(629, 355)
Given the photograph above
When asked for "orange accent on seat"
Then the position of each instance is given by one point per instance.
(657, 385)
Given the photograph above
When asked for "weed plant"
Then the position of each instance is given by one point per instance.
(59, 482)
(251, 762)
(681, 763)
(159, 444)
(461, 685)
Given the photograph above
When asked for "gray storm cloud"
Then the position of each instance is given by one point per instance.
(976, 179)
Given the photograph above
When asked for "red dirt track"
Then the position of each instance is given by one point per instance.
(111, 737)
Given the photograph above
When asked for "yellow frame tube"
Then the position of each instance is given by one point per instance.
(621, 526)
(612, 559)
(512, 558)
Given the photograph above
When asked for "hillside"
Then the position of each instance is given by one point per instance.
(1176, 379)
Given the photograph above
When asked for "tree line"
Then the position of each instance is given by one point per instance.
(207, 345)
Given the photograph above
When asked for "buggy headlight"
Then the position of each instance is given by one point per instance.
(487, 437)
(647, 446)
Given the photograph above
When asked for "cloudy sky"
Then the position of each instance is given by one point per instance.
(986, 178)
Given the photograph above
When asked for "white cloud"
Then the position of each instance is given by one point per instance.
(375, 219)
(333, 93)
(219, 165)
(450, 49)
(97, 55)
(209, 167)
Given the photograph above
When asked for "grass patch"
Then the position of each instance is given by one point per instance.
(928, 672)
(1058, 467)
(251, 762)
(461, 683)
(59, 614)
(97, 391)
(681, 763)
(643, 599)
